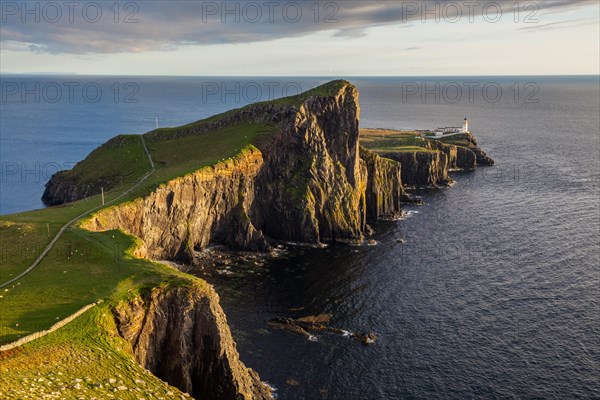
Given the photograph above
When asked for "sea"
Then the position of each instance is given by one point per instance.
(495, 292)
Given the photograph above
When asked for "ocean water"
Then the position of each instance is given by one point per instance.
(495, 293)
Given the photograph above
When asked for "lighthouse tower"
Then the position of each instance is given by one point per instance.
(465, 128)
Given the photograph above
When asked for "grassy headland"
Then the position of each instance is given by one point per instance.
(87, 358)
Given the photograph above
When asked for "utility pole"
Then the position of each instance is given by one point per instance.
(48, 226)
(102, 189)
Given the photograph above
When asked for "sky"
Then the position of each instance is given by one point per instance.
(301, 38)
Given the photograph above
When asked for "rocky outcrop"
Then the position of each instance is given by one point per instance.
(312, 186)
(303, 327)
(466, 159)
(422, 168)
(458, 158)
(430, 167)
(60, 189)
(188, 212)
(68, 186)
(482, 157)
(181, 335)
(384, 185)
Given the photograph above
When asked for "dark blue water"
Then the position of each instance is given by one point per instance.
(495, 293)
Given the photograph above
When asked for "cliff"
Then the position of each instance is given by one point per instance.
(312, 186)
(432, 165)
(458, 158)
(422, 168)
(115, 161)
(188, 212)
(482, 157)
(181, 335)
(306, 183)
(385, 191)
(467, 141)
(426, 162)
(60, 189)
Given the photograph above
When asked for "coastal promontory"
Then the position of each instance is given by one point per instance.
(296, 169)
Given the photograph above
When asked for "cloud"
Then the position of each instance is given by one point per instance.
(96, 27)
(558, 25)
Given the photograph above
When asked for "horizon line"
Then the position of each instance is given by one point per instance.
(295, 76)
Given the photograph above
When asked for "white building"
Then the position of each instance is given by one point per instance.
(450, 130)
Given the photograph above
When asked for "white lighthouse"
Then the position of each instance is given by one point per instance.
(465, 128)
(452, 130)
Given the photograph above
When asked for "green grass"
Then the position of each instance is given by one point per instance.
(457, 140)
(60, 214)
(20, 245)
(322, 90)
(120, 161)
(183, 155)
(81, 268)
(84, 359)
(388, 141)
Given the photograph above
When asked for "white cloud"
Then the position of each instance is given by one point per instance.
(372, 45)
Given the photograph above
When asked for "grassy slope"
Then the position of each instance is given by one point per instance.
(83, 358)
(20, 244)
(120, 161)
(80, 269)
(183, 155)
(457, 140)
(94, 274)
(382, 140)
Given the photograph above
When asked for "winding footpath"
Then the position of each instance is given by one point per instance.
(74, 220)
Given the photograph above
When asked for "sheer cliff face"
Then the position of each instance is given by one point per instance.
(181, 335)
(422, 168)
(307, 184)
(187, 212)
(384, 185)
(312, 185)
(431, 166)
